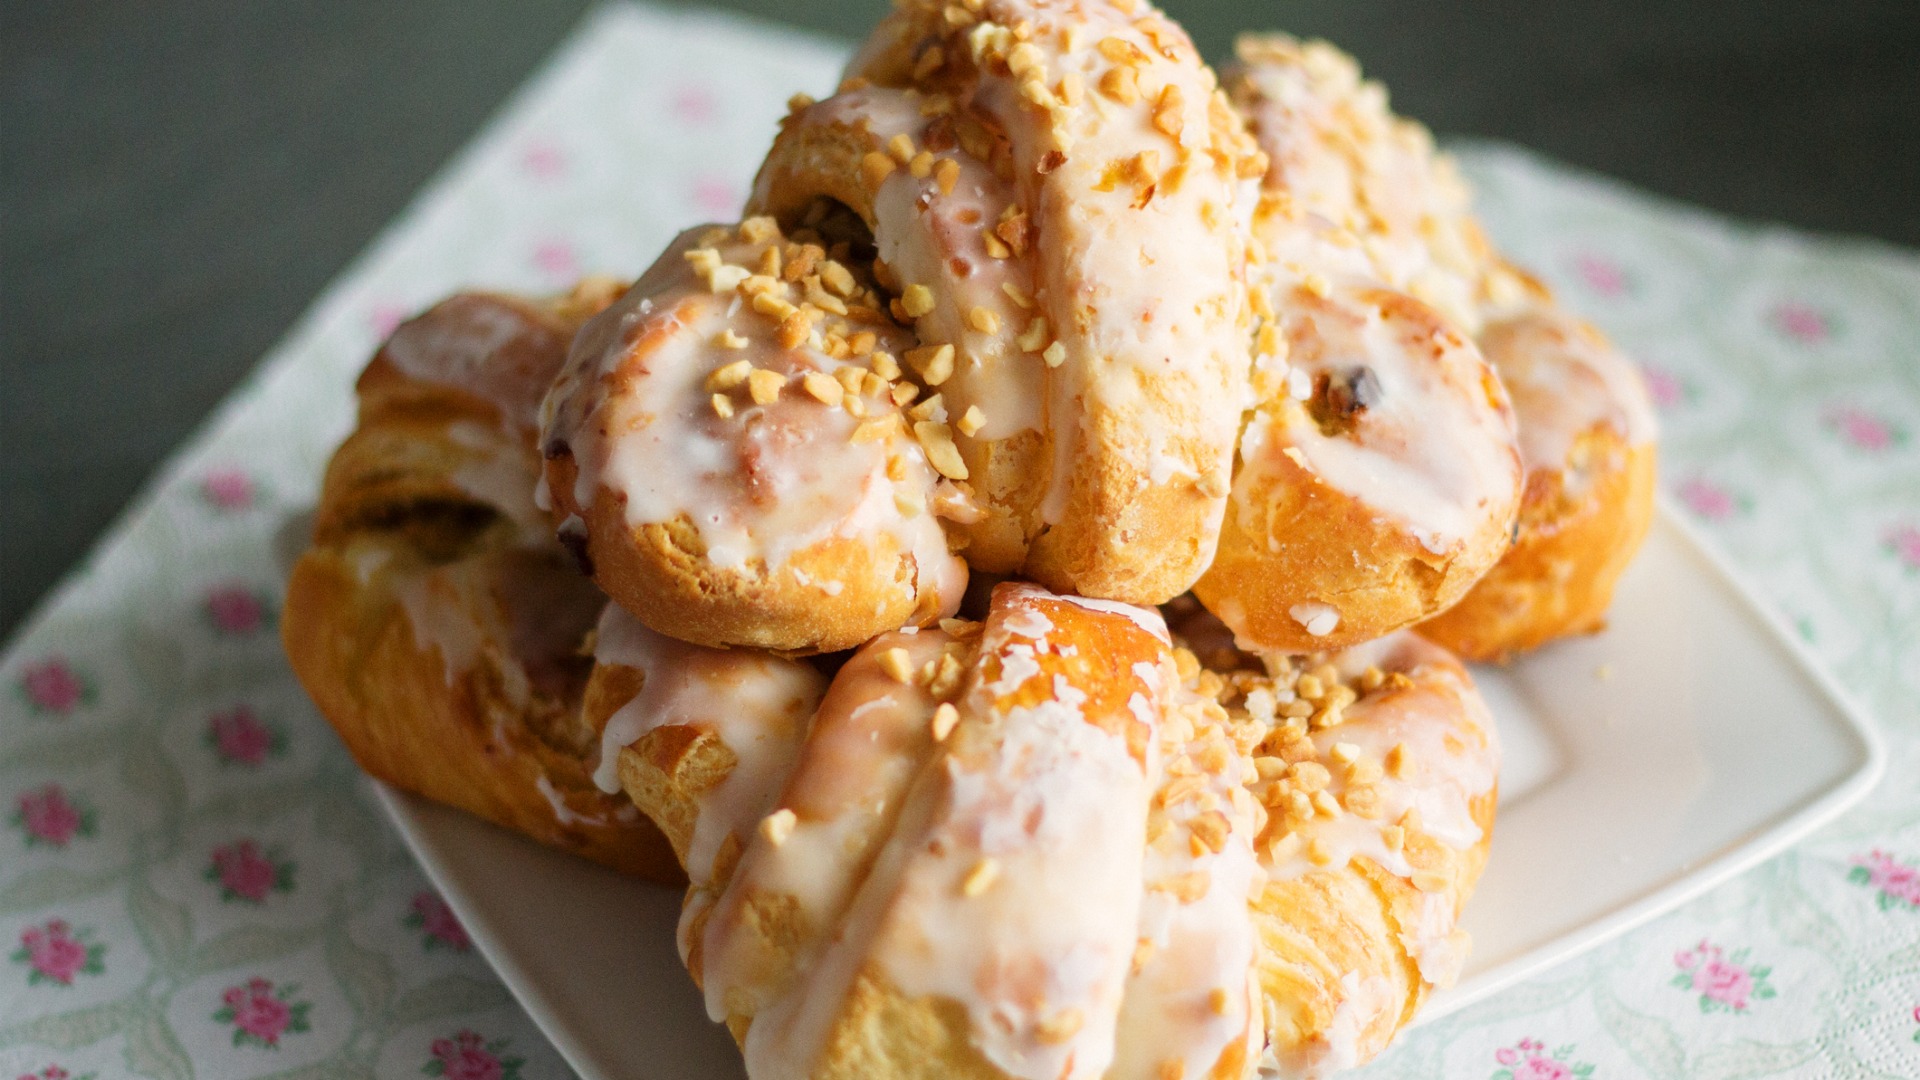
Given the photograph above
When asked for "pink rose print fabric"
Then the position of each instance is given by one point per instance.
(1528, 1059)
(54, 1072)
(47, 816)
(239, 737)
(1601, 274)
(246, 873)
(53, 688)
(1801, 322)
(439, 927)
(227, 489)
(1895, 884)
(1724, 983)
(1903, 543)
(260, 1013)
(56, 954)
(470, 1056)
(1711, 501)
(1862, 429)
(236, 610)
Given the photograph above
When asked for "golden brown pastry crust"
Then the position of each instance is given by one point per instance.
(733, 477)
(836, 925)
(1587, 432)
(434, 621)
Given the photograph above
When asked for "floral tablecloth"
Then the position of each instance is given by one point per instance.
(194, 880)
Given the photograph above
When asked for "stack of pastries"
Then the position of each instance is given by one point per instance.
(1009, 577)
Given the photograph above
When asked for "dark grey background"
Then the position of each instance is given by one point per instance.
(177, 180)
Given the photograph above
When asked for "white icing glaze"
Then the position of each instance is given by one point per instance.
(440, 614)
(1338, 1047)
(755, 703)
(1048, 791)
(1434, 447)
(1142, 289)
(868, 741)
(501, 349)
(1565, 380)
(634, 409)
(1316, 619)
(1194, 998)
(500, 472)
(566, 815)
(1370, 195)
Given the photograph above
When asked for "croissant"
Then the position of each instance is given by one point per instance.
(1353, 187)
(1044, 276)
(1054, 844)
(434, 620)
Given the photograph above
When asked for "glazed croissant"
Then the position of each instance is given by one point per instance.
(1055, 844)
(434, 619)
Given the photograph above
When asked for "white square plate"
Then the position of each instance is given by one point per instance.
(1643, 765)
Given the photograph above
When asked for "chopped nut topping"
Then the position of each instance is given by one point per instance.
(896, 664)
(1395, 837)
(1371, 678)
(1326, 804)
(1034, 337)
(722, 406)
(1055, 354)
(995, 246)
(798, 102)
(1309, 776)
(822, 387)
(1363, 800)
(981, 877)
(878, 428)
(901, 147)
(1071, 90)
(1017, 294)
(1186, 887)
(850, 378)
(1431, 881)
(1060, 1027)
(921, 166)
(916, 300)
(1121, 85)
(1344, 753)
(1219, 1000)
(1168, 118)
(875, 167)
(944, 718)
(902, 393)
(764, 386)
(726, 279)
(1121, 51)
(777, 826)
(1319, 853)
(758, 230)
(983, 320)
(933, 362)
(1211, 828)
(838, 279)
(728, 377)
(1315, 283)
(946, 174)
(884, 365)
(971, 421)
(937, 440)
(727, 339)
(770, 262)
(1399, 762)
(1309, 687)
(794, 329)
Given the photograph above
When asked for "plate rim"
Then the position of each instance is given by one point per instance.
(1770, 837)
